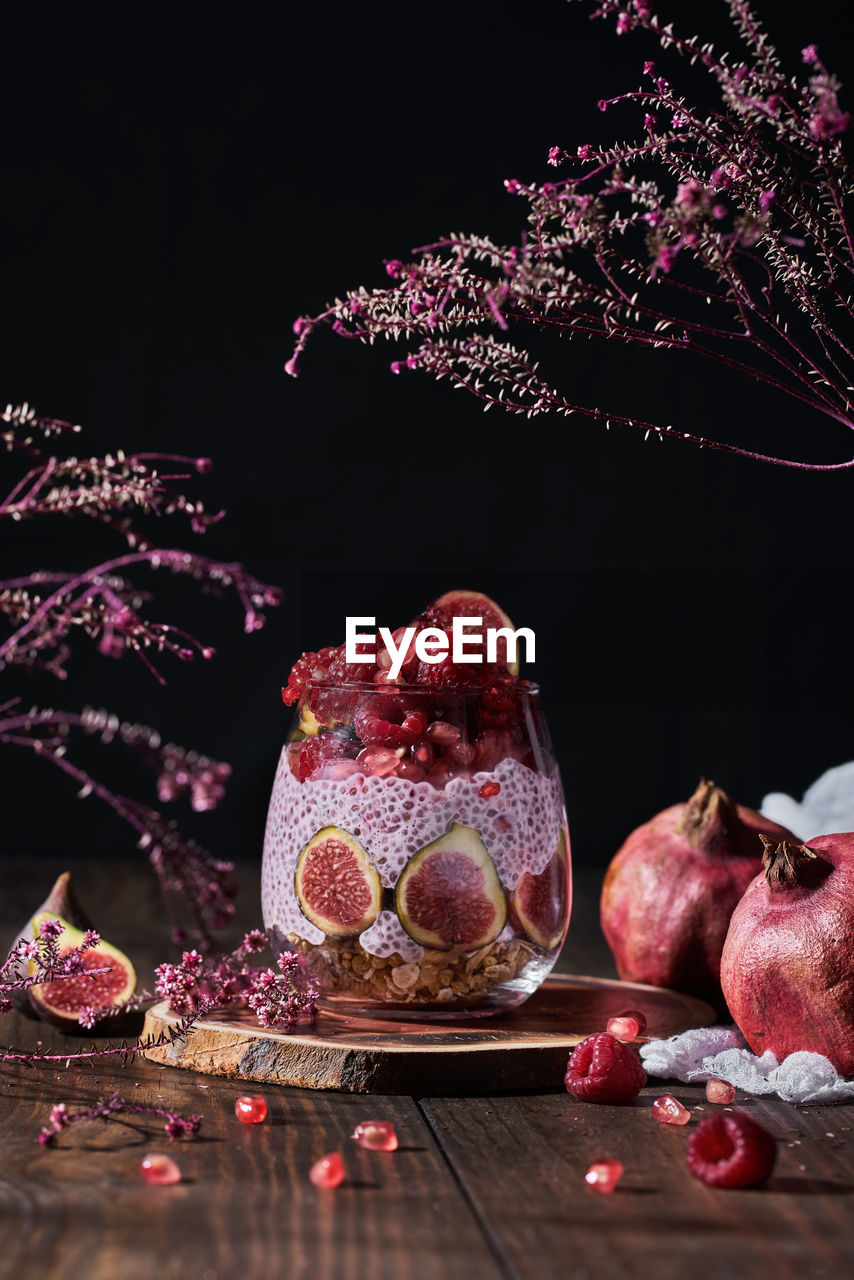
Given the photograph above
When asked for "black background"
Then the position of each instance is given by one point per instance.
(179, 185)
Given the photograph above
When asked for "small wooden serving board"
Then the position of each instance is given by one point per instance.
(526, 1049)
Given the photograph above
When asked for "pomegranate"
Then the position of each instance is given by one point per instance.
(671, 889)
(788, 961)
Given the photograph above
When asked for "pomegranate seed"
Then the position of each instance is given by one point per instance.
(719, 1091)
(730, 1150)
(489, 789)
(604, 1175)
(636, 1016)
(603, 1069)
(375, 1135)
(443, 733)
(159, 1170)
(385, 677)
(379, 761)
(251, 1108)
(411, 772)
(328, 1171)
(669, 1110)
(423, 755)
(623, 1027)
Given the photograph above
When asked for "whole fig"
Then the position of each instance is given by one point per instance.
(670, 890)
(787, 968)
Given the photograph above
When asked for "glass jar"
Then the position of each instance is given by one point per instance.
(416, 851)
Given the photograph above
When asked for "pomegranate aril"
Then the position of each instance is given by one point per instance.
(489, 789)
(385, 677)
(623, 1027)
(375, 1135)
(730, 1150)
(379, 761)
(604, 1175)
(719, 1091)
(423, 755)
(159, 1170)
(603, 1069)
(442, 733)
(669, 1110)
(251, 1108)
(328, 1171)
(411, 772)
(636, 1016)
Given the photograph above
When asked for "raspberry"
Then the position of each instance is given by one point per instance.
(306, 666)
(603, 1069)
(730, 1150)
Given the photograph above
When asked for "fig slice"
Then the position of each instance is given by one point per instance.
(337, 886)
(449, 894)
(474, 604)
(60, 1001)
(61, 901)
(539, 905)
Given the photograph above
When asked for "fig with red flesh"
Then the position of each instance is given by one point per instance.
(61, 901)
(670, 891)
(474, 604)
(787, 968)
(539, 905)
(449, 894)
(336, 883)
(61, 1001)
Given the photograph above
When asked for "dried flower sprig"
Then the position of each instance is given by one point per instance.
(278, 999)
(115, 1105)
(125, 1051)
(35, 961)
(46, 610)
(723, 233)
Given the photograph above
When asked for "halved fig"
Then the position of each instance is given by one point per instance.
(449, 894)
(474, 604)
(539, 905)
(336, 883)
(61, 901)
(61, 1001)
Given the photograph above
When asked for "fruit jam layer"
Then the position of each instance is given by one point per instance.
(520, 823)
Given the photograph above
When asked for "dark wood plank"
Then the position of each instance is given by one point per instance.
(245, 1208)
(521, 1162)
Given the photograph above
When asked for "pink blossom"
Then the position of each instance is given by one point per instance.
(809, 54)
(624, 24)
(585, 151)
(555, 155)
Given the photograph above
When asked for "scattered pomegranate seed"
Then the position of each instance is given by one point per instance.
(623, 1027)
(328, 1171)
(375, 1135)
(719, 1091)
(443, 733)
(489, 789)
(603, 1069)
(636, 1016)
(604, 1175)
(730, 1150)
(251, 1108)
(669, 1110)
(159, 1170)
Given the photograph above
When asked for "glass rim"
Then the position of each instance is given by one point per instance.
(433, 691)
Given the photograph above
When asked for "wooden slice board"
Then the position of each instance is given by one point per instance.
(526, 1049)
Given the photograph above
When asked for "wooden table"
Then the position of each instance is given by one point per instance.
(480, 1188)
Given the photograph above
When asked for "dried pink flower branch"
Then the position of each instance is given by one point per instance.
(115, 1105)
(45, 610)
(723, 233)
(34, 961)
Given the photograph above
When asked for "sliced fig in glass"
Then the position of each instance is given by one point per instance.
(61, 1001)
(449, 894)
(539, 905)
(336, 883)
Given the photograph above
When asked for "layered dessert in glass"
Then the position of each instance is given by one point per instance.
(416, 851)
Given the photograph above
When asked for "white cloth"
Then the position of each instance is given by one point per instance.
(827, 807)
(722, 1053)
